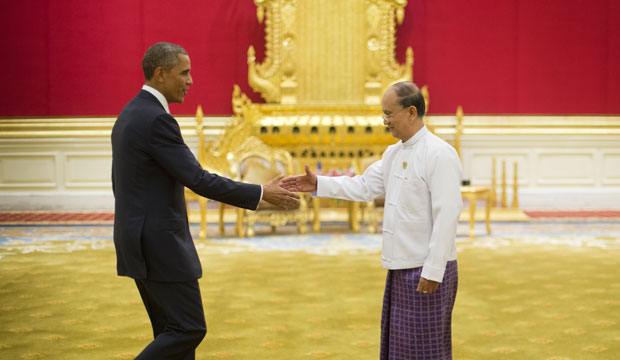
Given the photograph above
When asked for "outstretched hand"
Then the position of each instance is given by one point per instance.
(301, 183)
(279, 196)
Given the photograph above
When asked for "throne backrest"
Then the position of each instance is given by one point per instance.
(256, 162)
(325, 52)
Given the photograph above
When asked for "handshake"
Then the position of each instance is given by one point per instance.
(280, 191)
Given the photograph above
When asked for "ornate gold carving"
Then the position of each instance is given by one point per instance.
(258, 81)
(425, 95)
(515, 188)
(211, 160)
(382, 70)
(324, 57)
(459, 130)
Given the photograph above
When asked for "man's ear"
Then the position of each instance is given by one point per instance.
(158, 74)
(413, 111)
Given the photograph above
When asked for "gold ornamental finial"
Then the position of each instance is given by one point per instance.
(459, 130)
(503, 201)
(515, 188)
(199, 116)
(268, 90)
(493, 195)
(201, 135)
(425, 95)
(260, 13)
(400, 15)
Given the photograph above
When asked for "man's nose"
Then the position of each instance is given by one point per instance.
(190, 81)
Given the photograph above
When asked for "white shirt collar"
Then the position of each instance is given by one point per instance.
(417, 136)
(159, 96)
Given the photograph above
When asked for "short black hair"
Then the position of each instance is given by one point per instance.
(163, 55)
(408, 94)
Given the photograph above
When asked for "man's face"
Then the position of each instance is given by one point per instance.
(177, 80)
(400, 120)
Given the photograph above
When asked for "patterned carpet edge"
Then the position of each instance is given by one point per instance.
(107, 217)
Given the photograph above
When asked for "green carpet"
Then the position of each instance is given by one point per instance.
(533, 298)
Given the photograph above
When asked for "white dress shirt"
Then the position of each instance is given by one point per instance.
(421, 180)
(159, 96)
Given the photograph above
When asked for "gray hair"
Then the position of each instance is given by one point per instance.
(409, 94)
(160, 55)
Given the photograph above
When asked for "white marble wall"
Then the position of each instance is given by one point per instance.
(555, 171)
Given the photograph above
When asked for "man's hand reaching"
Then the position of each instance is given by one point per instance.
(301, 183)
(278, 196)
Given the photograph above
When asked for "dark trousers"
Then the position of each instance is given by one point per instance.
(177, 317)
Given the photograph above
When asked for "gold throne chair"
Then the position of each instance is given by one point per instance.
(256, 162)
(213, 158)
(327, 64)
(239, 155)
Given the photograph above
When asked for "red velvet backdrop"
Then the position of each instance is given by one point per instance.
(82, 58)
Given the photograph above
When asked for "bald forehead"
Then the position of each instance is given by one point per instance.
(389, 97)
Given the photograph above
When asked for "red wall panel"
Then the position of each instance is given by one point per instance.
(94, 57)
(562, 56)
(83, 58)
(613, 57)
(471, 56)
(24, 67)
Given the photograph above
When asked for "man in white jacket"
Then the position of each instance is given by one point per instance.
(420, 177)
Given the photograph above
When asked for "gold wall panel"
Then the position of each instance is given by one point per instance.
(330, 52)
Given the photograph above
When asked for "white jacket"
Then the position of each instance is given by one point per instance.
(421, 181)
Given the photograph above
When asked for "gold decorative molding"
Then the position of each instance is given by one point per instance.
(310, 132)
(479, 125)
(92, 127)
(535, 125)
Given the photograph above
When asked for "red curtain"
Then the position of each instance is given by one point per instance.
(82, 58)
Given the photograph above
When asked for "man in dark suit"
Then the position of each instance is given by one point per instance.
(151, 166)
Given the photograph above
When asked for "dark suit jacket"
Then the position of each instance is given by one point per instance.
(150, 166)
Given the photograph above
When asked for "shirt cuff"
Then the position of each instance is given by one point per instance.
(315, 192)
(433, 273)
